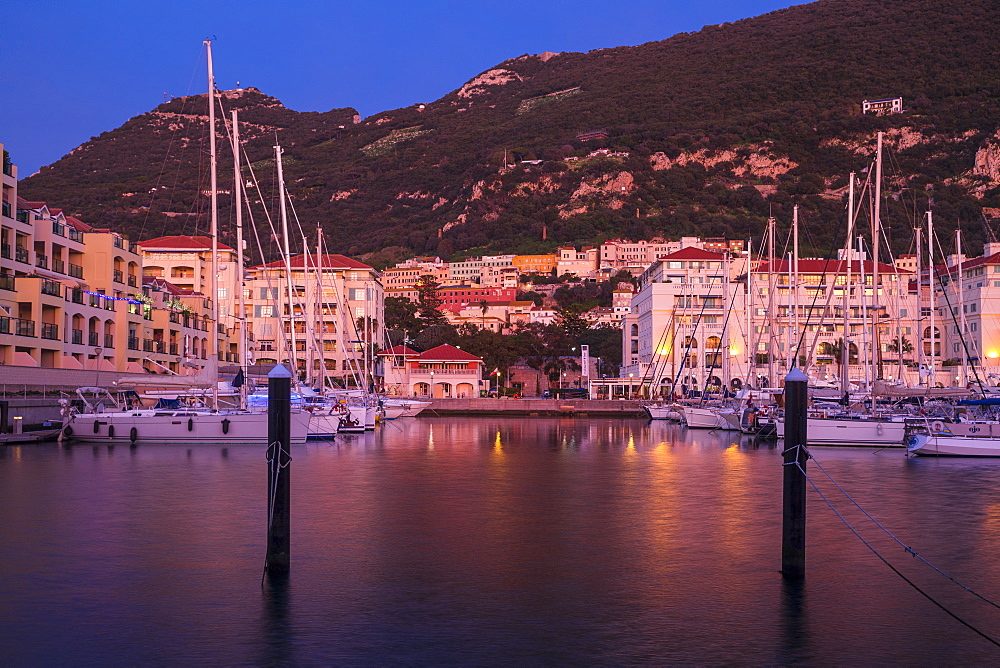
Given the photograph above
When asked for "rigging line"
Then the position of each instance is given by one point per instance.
(691, 340)
(886, 562)
(829, 296)
(901, 543)
(826, 266)
(953, 311)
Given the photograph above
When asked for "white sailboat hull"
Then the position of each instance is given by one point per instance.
(706, 418)
(149, 427)
(664, 413)
(878, 432)
(324, 425)
(953, 445)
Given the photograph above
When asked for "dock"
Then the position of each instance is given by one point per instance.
(536, 407)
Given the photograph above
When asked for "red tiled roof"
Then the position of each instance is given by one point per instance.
(167, 286)
(181, 242)
(330, 261)
(692, 253)
(78, 224)
(399, 350)
(968, 264)
(446, 353)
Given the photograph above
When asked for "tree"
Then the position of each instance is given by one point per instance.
(428, 301)
(572, 323)
(401, 316)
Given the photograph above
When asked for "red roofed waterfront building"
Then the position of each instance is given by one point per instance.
(444, 372)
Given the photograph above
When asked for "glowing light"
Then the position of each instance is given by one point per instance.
(734, 352)
(993, 354)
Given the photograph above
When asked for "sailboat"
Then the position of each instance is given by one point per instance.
(100, 417)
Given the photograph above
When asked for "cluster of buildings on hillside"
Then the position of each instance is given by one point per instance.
(74, 296)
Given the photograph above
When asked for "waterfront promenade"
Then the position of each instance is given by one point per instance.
(536, 407)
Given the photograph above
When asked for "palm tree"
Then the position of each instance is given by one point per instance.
(836, 350)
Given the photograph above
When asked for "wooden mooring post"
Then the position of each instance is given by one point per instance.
(795, 455)
(279, 408)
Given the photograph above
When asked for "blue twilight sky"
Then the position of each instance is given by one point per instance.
(70, 70)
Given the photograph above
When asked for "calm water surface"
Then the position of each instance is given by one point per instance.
(488, 541)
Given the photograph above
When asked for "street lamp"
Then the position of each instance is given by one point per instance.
(97, 362)
(630, 385)
(432, 384)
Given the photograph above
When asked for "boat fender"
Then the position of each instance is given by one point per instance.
(225, 426)
(111, 431)
(97, 426)
(133, 435)
(68, 431)
(937, 425)
(190, 424)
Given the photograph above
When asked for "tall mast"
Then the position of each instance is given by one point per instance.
(876, 234)
(790, 304)
(962, 326)
(933, 298)
(243, 346)
(795, 287)
(725, 328)
(770, 302)
(213, 159)
(920, 310)
(845, 346)
(288, 264)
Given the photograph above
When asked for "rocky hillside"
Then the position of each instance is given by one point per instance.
(702, 133)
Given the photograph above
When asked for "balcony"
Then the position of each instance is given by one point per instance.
(76, 337)
(24, 327)
(175, 317)
(147, 345)
(132, 280)
(21, 255)
(95, 301)
(109, 341)
(6, 251)
(174, 349)
(159, 346)
(75, 235)
(133, 247)
(58, 229)
(109, 304)
(50, 331)
(119, 276)
(58, 265)
(41, 260)
(75, 295)
(443, 373)
(93, 339)
(4, 324)
(5, 209)
(7, 282)
(133, 343)
(118, 242)
(22, 217)
(52, 288)
(75, 270)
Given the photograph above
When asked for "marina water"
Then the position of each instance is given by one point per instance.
(490, 541)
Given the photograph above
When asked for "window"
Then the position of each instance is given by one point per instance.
(269, 293)
(356, 294)
(263, 310)
(359, 312)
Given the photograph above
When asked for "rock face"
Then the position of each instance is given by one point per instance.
(754, 161)
(987, 163)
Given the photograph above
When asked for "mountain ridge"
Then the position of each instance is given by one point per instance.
(709, 132)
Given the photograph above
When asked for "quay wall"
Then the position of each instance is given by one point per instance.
(535, 407)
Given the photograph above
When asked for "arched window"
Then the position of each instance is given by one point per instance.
(635, 330)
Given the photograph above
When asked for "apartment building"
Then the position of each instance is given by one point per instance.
(72, 297)
(334, 323)
(575, 262)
